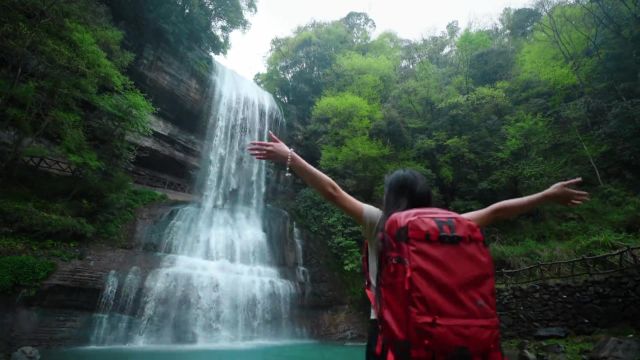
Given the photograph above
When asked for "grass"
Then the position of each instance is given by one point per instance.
(528, 251)
(609, 221)
(575, 347)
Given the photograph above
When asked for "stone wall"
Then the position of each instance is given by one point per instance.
(580, 306)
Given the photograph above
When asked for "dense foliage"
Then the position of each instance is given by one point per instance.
(190, 30)
(65, 94)
(25, 271)
(321, 218)
(183, 25)
(63, 90)
(548, 93)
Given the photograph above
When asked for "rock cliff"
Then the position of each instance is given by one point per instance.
(180, 96)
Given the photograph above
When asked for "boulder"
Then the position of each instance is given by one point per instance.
(551, 333)
(616, 349)
(557, 357)
(511, 354)
(553, 348)
(526, 355)
(26, 353)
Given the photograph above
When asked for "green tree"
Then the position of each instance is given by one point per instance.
(468, 44)
(185, 26)
(348, 153)
(369, 77)
(519, 23)
(550, 92)
(61, 79)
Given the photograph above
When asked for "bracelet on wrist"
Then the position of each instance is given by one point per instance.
(289, 156)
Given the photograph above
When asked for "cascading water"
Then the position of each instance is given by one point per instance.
(302, 274)
(217, 281)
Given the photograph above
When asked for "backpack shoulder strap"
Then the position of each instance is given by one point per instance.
(367, 278)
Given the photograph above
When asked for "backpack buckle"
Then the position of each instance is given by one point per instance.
(449, 239)
(444, 236)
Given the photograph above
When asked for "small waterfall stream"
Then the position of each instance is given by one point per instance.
(218, 281)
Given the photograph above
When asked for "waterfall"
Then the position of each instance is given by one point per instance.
(101, 319)
(302, 274)
(217, 281)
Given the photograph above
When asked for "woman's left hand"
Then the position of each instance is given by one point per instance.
(274, 150)
(562, 193)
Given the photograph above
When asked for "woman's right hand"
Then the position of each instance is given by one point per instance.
(274, 150)
(277, 151)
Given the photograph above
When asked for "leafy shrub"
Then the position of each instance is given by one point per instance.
(12, 245)
(47, 207)
(609, 221)
(119, 209)
(24, 271)
(320, 218)
(25, 217)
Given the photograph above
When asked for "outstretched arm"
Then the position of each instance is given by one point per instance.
(560, 193)
(277, 151)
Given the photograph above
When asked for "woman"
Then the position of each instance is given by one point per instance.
(404, 189)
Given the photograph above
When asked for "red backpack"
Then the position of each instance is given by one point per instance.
(435, 293)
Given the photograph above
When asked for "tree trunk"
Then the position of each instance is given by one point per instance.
(586, 151)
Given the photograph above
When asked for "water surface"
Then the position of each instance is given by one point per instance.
(256, 351)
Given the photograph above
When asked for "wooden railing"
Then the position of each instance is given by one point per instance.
(52, 165)
(620, 260)
(62, 167)
(160, 182)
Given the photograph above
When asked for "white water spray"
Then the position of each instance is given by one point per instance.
(217, 281)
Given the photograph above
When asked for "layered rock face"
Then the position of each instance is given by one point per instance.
(181, 98)
(327, 311)
(323, 307)
(60, 313)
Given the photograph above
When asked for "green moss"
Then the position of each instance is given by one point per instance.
(62, 209)
(574, 347)
(120, 210)
(23, 271)
(49, 249)
(42, 221)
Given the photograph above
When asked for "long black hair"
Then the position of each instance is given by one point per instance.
(404, 189)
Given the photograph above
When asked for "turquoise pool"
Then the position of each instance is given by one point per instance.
(254, 351)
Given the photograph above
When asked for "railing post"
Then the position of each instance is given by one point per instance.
(586, 263)
(621, 259)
